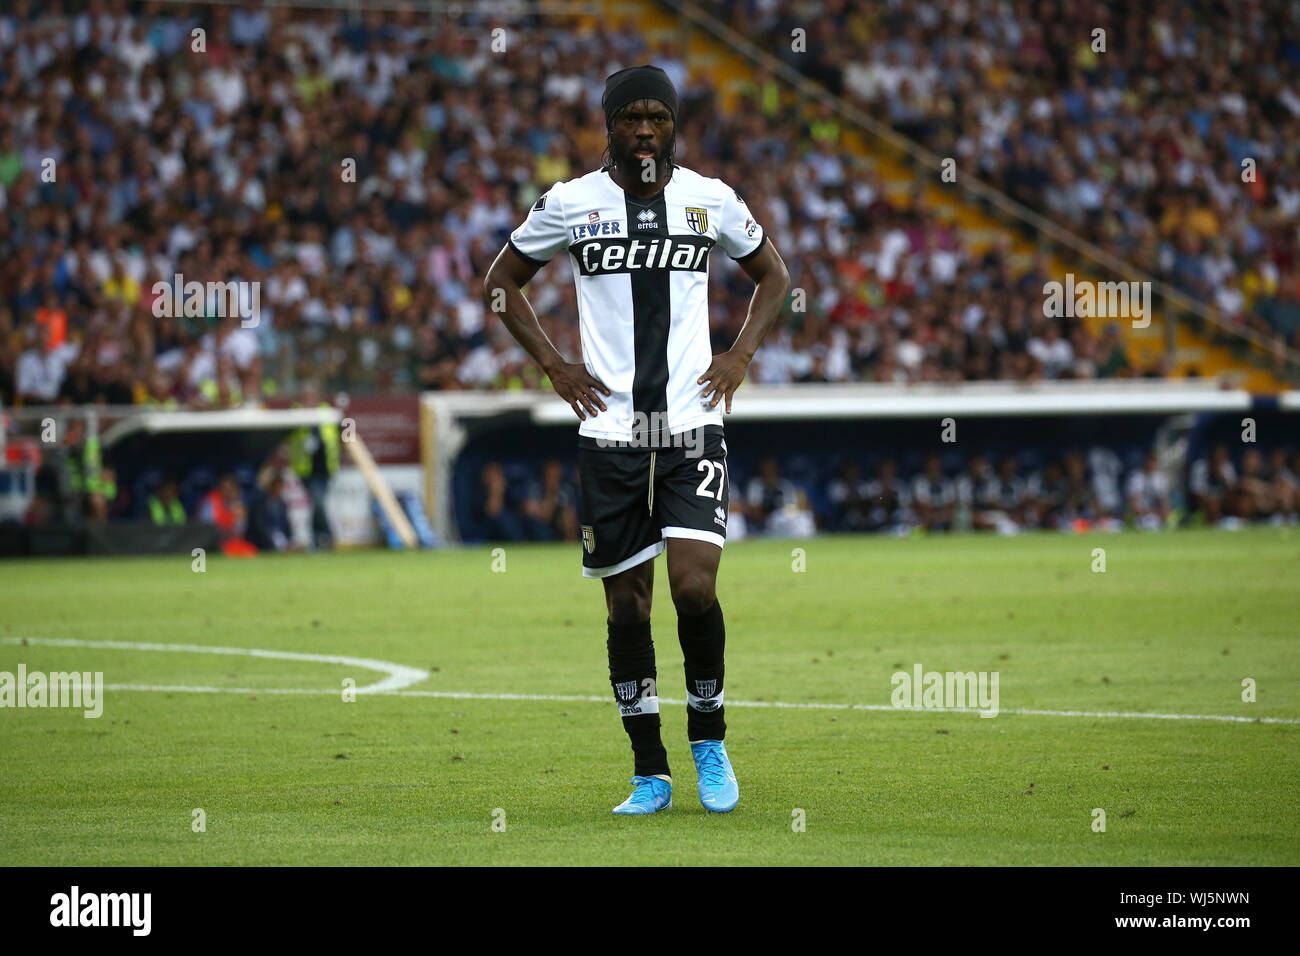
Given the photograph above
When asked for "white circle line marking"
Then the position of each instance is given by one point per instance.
(401, 676)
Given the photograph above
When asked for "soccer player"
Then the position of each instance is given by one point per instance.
(651, 453)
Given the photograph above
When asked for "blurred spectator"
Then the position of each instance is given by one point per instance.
(1052, 352)
(934, 496)
(268, 522)
(552, 505)
(1211, 482)
(850, 497)
(1012, 494)
(1080, 497)
(1046, 496)
(224, 507)
(102, 498)
(314, 457)
(1148, 496)
(53, 317)
(496, 515)
(165, 506)
(1254, 496)
(1106, 469)
(1284, 485)
(1112, 359)
(776, 506)
(979, 497)
(41, 368)
(891, 500)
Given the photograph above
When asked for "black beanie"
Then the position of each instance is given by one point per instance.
(637, 83)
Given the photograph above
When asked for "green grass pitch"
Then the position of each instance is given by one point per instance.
(1173, 626)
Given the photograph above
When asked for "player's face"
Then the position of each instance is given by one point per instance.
(642, 130)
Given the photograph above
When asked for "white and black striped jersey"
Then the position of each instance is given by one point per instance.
(642, 272)
(980, 491)
(940, 493)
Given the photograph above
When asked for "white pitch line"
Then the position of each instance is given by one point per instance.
(401, 677)
(186, 689)
(786, 705)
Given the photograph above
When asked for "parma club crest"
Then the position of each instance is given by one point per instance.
(706, 698)
(697, 219)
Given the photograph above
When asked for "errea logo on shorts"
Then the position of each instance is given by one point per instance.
(75, 908)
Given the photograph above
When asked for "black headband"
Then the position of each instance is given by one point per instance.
(637, 83)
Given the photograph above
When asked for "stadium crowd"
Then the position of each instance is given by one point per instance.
(365, 168)
(1170, 138)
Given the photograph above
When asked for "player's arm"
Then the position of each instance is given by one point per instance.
(772, 284)
(503, 294)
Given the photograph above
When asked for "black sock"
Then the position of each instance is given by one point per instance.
(703, 637)
(632, 674)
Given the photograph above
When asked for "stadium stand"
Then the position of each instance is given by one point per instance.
(363, 167)
(229, 164)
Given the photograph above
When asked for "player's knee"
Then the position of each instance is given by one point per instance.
(627, 605)
(693, 592)
(627, 595)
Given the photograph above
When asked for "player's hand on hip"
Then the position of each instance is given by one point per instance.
(573, 383)
(724, 377)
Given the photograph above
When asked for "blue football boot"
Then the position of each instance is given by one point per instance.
(719, 791)
(651, 794)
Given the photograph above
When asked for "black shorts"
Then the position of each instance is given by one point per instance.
(634, 498)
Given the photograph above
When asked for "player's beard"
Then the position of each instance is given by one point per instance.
(630, 164)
